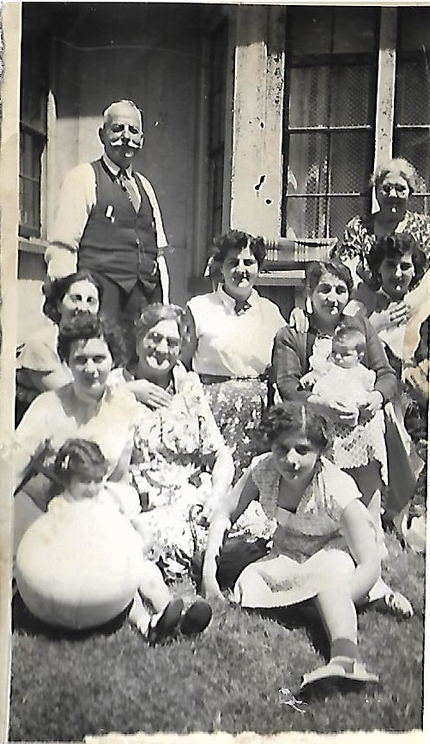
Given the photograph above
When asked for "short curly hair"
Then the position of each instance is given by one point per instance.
(236, 240)
(396, 165)
(152, 315)
(395, 246)
(315, 270)
(55, 290)
(84, 327)
(294, 418)
(82, 458)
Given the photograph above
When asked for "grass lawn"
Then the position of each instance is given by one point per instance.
(227, 679)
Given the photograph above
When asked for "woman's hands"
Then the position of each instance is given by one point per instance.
(298, 320)
(210, 589)
(149, 393)
(396, 314)
(370, 407)
(334, 410)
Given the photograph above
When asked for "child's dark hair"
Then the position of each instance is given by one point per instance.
(295, 417)
(396, 246)
(81, 458)
(85, 327)
(352, 336)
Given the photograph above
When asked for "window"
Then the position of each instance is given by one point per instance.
(34, 90)
(412, 99)
(216, 114)
(331, 73)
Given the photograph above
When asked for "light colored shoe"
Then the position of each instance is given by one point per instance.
(340, 671)
(394, 603)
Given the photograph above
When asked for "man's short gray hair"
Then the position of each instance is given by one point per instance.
(107, 113)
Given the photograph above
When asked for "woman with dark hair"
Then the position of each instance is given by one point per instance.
(87, 407)
(180, 463)
(324, 543)
(232, 330)
(394, 181)
(39, 367)
(396, 294)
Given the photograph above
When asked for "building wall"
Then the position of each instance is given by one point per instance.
(152, 55)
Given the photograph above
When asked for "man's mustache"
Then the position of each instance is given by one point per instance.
(129, 142)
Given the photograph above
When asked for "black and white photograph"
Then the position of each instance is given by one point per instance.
(213, 217)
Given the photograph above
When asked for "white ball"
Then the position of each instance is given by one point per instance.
(79, 565)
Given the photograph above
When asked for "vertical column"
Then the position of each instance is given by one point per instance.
(256, 179)
(11, 20)
(386, 85)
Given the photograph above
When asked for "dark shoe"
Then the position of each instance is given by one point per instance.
(167, 623)
(196, 618)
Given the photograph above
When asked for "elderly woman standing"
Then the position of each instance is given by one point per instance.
(180, 463)
(232, 332)
(394, 182)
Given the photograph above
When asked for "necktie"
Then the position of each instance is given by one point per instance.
(129, 187)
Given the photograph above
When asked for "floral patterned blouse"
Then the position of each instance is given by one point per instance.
(174, 445)
(359, 236)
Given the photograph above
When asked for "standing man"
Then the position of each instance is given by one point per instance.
(108, 221)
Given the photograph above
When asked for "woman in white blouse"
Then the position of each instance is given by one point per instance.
(232, 331)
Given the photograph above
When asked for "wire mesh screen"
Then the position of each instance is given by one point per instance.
(329, 132)
(412, 101)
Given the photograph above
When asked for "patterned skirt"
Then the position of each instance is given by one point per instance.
(237, 406)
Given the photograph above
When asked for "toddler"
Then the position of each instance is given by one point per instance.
(341, 375)
(81, 468)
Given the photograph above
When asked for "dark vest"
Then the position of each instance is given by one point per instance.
(118, 242)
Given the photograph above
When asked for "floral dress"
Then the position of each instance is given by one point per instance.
(172, 459)
(309, 553)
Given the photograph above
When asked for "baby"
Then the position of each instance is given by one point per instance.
(81, 468)
(342, 376)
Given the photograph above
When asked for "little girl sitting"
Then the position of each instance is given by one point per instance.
(81, 468)
(342, 376)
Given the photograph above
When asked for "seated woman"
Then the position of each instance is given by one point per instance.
(394, 181)
(39, 367)
(324, 545)
(232, 331)
(359, 450)
(180, 463)
(88, 406)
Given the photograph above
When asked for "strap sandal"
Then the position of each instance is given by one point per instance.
(164, 625)
(196, 618)
(341, 673)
